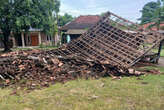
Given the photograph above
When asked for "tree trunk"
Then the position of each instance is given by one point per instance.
(6, 42)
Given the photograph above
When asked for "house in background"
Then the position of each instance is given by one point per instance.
(154, 28)
(77, 27)
(34, 37)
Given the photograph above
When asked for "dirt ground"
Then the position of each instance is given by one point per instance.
(161, 62)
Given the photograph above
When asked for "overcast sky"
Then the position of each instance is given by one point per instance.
(129, 9)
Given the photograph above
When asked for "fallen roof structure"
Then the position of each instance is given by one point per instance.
(113, 40)
(110, 47)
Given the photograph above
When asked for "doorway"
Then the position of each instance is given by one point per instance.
(34, 40)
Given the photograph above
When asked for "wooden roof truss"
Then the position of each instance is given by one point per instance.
(113, 40)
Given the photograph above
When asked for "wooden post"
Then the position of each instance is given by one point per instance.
(159, 50)
(40, 39)
(22, 36)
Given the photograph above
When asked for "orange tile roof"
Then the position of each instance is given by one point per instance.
(154, 27)
(82, 22)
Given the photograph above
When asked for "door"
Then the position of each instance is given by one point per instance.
(34, 40)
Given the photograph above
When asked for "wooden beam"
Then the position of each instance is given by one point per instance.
(160, 48)
(108, 44)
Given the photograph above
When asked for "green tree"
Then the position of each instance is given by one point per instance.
(158, 17)
(148, 12)
(54, 19)
(153, 12)
(21, 15)
(64, 19)
(51, 27)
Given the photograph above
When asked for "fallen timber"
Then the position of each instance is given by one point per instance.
(115, 41)
(110, 47)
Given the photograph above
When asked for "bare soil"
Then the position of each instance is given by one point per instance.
(161, 62)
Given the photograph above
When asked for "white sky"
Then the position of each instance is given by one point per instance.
(129, 9)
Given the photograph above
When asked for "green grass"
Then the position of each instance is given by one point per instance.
(151, 68)
(129, 93)
(162, 52)
(40, 47)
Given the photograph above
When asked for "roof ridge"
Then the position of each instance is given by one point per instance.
(89, 15)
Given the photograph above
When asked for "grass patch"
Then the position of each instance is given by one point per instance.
(129, 93)
(40, 47)
(162, 52)
(152, 67)
(47, 47)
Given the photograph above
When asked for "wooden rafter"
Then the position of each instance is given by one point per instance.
(113, 40)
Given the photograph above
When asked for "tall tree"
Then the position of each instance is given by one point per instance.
(21, 15)
(64, 19)
(158, 17)
(153, 12)
(51, 27)
(148, 12)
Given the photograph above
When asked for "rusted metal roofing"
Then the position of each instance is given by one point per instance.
(107, 42)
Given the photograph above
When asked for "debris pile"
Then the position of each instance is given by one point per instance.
(35, 68)
(110, 47)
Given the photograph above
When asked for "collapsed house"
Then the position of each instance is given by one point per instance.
(113, 40)
(110, 47)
